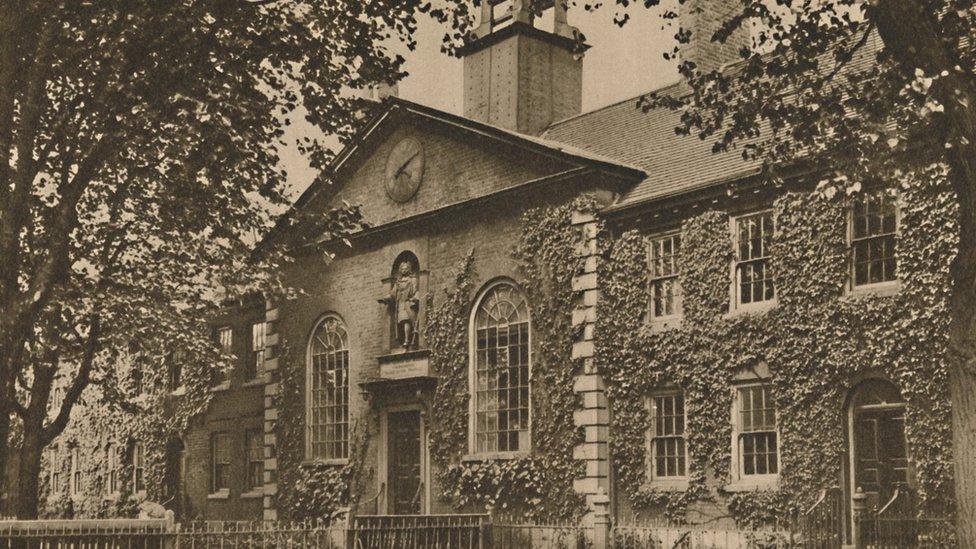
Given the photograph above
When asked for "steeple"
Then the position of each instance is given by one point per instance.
(518, 75)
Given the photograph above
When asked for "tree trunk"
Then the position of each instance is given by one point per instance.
(914, 37)
(962, 387)
(4, 451)
(29, 472)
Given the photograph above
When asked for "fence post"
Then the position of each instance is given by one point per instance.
(349, 534)
(859, 503)
(601, 519)
(169, 538)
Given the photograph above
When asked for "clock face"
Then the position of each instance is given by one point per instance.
(404, 169)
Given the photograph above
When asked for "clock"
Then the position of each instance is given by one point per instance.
(404, 169)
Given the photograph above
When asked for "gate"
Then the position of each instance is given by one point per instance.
(822, 525)
(897, 526)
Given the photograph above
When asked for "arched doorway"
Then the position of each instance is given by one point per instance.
(878, 453)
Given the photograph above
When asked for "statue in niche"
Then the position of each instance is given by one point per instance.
(404, 302)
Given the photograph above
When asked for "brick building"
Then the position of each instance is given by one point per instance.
(349, 360)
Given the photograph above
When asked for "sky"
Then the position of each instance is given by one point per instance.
(621, 63)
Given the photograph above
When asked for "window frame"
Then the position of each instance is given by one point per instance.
(474, 453)
(310, 442)
(677, 481)
(736, 298)
(75, 478)
(255, 359)
(676, 236)
(214, 437)
(738, 463)
(249, 436)
(138, 468)
(219, 337)
(56, 465)
(113, 468)
(222, 381)
(872, 287)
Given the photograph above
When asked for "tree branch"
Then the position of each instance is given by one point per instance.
(81, 380)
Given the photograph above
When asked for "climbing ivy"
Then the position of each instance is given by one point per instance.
(539, 484)
(132, 402)
(816, 341)
(315, 489)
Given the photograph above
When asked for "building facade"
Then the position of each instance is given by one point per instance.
(549, 306)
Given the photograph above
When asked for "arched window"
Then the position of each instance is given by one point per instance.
(500, 370)
(328, 391)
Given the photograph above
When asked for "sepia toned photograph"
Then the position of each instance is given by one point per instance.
(487, 274)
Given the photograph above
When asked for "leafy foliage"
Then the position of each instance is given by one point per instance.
(139, 160)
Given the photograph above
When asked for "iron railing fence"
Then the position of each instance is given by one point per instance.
(822, 525)
(898, 525)
(420, 532)
(86, 534)
(258, 535)
(510, 533)
(908, 533)
(699, 537)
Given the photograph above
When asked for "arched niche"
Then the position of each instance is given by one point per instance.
(389, 303)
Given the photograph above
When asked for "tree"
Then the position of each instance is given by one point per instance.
(802, 95)
(139, 147)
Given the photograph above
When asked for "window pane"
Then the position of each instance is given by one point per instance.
(329, 391)
(873, 221)
(501, 371)
(754, 235)
(663, 259)
(757, 425)
(667, 436)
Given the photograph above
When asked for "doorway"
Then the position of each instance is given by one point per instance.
(405, 459)
(879, 456)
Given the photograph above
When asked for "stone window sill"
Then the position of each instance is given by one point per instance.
(664, 324)
(220, 494)
(879, 289)
(667, 485)
(221, 387)
(337, 462)
(253, 494)
(751, 309)
(763, 484)
(256, 382)
(493, 456)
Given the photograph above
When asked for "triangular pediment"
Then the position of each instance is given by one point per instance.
(409, 160)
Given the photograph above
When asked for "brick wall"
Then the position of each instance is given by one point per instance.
(703, 18)
(455, 169)
(234, 410)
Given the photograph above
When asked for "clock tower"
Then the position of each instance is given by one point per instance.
(518, 75)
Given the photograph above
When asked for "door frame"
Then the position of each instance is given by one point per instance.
(382, 479)
(851, 462)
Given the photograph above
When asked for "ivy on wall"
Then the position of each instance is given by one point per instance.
(817, 342)
(540, 483)
(315, 489)
(134, 404)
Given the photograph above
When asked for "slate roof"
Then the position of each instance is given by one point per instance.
(674, 164)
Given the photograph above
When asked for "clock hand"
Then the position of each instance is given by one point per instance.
(404, 165)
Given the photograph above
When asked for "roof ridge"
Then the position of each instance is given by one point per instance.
(614, 104)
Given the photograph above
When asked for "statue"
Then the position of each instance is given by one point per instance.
(404, 303)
